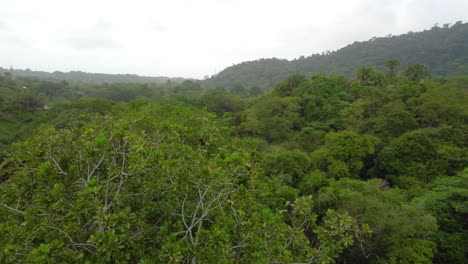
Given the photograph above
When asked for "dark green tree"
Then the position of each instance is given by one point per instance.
(392, 66)
(416, 72)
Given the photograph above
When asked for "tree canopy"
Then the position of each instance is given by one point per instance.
(322, 169)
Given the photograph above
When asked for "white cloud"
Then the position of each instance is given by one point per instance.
(194, 38)
(3, 27)
(98, 36)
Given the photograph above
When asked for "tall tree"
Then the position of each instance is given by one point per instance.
(416, 72)
(392, 65)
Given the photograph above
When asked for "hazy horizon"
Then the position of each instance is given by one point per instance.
(192, 39)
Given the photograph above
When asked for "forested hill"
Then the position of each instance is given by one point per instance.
(89, 78)
(441, 49)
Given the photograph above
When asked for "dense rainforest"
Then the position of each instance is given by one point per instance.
(442, 49)
(88, 78)
(322, 169)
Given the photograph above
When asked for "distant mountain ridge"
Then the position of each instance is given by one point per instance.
(441, 49)
(92, 78)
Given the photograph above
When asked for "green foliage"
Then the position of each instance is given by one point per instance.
(137, 185)
(392, 65)
(447, 200)
(398, 227)
(288, 167)
(422, 155)
(27, 100)
(219, 102)
(343, 154)
(416, 72)
(321, 170)
(441, 49)
(392, 120)
(287, 87)
(84, 77)
(273, 118)
(364, 74)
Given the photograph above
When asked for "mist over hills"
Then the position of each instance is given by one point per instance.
(442, 49)
(90, 78)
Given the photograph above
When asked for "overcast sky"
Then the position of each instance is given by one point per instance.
(199, 37)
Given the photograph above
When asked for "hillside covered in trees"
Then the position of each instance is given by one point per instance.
(88, 78)
(442, 49)
(323, 169)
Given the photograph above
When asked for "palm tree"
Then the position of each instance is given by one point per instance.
(392, 65)
(364, 74)
(416, 72)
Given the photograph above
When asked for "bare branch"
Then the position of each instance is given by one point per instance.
(73, 243)
(94, 169)
(57, 165)
(12, 209)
